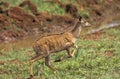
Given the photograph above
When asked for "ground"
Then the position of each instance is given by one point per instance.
(98, 55)
(18, 22)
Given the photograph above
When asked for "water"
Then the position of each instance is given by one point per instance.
(19, 44)
(28, 41)
(110, 25)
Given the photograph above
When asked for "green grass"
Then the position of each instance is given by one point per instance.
(91, 62)
(44, 6)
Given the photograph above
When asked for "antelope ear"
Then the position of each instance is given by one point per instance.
(80, 18)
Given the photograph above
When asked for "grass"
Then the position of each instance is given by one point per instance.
(44, 6)
(96, 59)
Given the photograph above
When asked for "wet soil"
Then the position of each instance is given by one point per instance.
(16, 23)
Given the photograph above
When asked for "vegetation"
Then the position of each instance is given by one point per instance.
(96, 59)
(44, 6)
(98, 56)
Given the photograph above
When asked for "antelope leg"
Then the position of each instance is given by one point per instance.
(33, 59)
(47, 62)
(65, 57)
(73, 52)
(70, 54)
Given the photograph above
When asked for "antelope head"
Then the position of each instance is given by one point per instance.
(84, 23)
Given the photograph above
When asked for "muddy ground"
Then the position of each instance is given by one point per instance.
(17, 23)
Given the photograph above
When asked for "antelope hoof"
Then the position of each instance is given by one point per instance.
(71, 55)
(76, 46)
(58, 60)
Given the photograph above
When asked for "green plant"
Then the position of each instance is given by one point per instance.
(96, 59)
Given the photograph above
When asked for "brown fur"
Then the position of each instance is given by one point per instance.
(53, 43)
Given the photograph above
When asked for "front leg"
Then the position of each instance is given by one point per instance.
(73, 51)
(64, 57)
(70, 54)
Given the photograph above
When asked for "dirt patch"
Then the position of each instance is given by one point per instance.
(15, 22)
(21, 18)
(4, 21)
(10, 35)
(94, 36)
(23, 23)
(31, 6)
(69, 8)
(109, 53)
(100, 10)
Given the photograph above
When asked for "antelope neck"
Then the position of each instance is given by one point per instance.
(77, 29)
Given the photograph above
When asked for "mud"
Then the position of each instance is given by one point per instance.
(17, 23)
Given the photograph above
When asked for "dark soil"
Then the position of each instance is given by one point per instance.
(16, 23)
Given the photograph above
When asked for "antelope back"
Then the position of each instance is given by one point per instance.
(53, 43)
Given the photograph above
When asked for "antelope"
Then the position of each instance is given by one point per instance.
(47, 45)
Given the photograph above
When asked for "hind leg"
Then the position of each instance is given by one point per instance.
(47, 62)
(32, 60)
